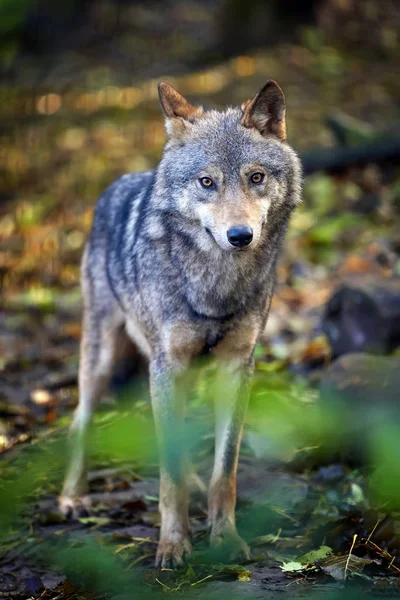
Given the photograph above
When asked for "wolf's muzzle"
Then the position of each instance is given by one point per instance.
(240, 235)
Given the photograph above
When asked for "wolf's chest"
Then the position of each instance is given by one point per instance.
(219, 291)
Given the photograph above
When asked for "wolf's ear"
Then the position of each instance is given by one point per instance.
(266, 111)
(177, 110)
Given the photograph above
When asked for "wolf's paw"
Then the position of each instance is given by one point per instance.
(173, 553)
(227, 541)
(74, 507)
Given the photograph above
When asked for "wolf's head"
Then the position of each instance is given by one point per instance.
(229, 175)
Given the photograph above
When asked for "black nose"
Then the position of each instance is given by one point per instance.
(240, 235)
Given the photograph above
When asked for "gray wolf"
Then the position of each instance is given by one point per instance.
(182, 260)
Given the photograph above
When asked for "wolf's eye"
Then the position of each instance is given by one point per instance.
(206, 182)
(257, 178)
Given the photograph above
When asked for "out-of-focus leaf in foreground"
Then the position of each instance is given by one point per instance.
(385, 455)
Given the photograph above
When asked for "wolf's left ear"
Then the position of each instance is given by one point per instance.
(266, 111)
(177, 110)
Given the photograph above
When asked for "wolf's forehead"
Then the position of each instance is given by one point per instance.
(222, 132)
(225, 143)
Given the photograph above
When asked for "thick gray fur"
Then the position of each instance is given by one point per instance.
(158, 267)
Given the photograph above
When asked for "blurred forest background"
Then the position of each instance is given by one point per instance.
(319, 477)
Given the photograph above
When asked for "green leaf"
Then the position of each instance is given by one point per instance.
(292, 566)
(356, 496)
(309, 558)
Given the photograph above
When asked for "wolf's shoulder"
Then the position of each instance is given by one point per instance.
(131, 183)
(126, 188)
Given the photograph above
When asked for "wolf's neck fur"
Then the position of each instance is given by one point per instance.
(219, 283)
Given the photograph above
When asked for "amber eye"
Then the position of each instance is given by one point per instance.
(206, 182)
(257, 178)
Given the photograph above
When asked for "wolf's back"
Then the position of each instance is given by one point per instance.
(116, 223)
(120, 202)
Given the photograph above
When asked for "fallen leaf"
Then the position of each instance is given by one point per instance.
(338, 567)
(98, 521)
(292, 566)
(242, 573)
(42, 397)
(245, 576)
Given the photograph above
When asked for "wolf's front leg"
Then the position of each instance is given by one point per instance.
(230, 411)
(174, 545)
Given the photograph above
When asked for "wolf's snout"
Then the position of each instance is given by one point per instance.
(240, 235)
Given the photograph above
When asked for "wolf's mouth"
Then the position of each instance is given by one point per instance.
(209, 233)
(230, 249)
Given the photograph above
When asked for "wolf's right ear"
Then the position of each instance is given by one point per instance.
(266, 111)
(177, 110)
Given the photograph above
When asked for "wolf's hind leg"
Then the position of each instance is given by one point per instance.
(101, 336)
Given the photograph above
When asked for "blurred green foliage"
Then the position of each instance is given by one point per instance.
(385, 456)
(288, 419)
(12, 14)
